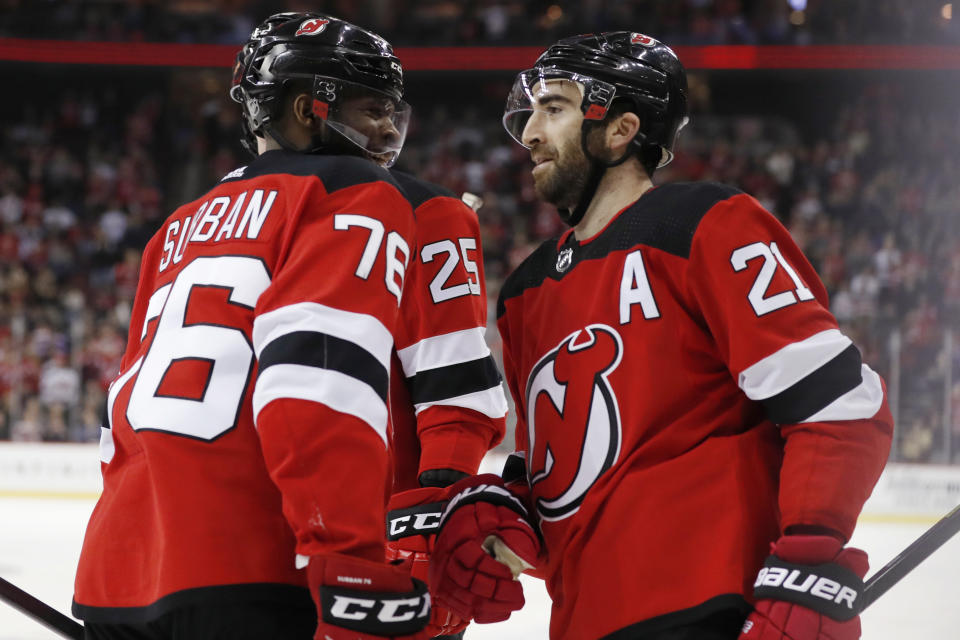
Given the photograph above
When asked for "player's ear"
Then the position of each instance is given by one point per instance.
(621, 131)
(303, 110)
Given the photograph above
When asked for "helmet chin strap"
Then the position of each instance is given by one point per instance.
(598, 168)
(248, 139)
(321, 142)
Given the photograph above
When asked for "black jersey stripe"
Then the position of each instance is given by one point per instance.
(285, 595)
(664, 218)
(808, 396)
(451, 381)
(324, 351)
(723, 612)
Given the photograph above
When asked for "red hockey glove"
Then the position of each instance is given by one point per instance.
(413, 519)
(464, 576)
(360, 599)
(809, 589)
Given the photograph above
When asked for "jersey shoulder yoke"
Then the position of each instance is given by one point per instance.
(335, 171)
(666, 218)
(419, 191)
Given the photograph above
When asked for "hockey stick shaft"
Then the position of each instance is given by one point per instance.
(40, 611)
(909, 558)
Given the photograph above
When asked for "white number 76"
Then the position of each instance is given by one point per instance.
(395, 268)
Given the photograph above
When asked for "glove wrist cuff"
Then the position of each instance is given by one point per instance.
(368, 597)
(828, 589)
(416, 520)
(486, 488)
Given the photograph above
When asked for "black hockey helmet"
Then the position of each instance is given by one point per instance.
(338, 58)
(608, 66)
(616, 65)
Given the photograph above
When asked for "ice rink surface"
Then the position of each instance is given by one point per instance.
(40, 540)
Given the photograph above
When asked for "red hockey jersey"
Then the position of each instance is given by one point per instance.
(249, 421)
(447, 403)
(683, 396)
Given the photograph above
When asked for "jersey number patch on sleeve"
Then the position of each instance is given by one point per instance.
(395, 268)
(763, 304)
(440, 287)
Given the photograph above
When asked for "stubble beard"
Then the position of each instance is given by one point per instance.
(563, 184)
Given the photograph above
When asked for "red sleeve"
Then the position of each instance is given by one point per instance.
(453, 381)
(323, 335)
(768, 312)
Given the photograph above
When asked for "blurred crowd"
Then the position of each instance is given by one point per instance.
(491, 22)
(86, 178)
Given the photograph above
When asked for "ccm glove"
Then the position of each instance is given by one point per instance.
(464, 576)
(413, 520)
(360, 599)
(809, 589)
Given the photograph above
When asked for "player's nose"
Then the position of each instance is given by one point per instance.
(387, 132)
(532, 131)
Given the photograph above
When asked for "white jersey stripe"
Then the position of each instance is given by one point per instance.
(791, 364)
(336, 390)
(490, 402)
(362, 329)
(444, 350)
(857, 404)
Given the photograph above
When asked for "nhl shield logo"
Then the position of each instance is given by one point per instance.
(312, 27)
(564, 259)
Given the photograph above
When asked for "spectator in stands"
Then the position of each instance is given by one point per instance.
(59, 383)
(29, 427)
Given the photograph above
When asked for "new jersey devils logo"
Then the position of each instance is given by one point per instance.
(312, 27)
(642, 40)
(573, 420)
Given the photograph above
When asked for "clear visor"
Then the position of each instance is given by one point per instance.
(372, 120)
(535, 90)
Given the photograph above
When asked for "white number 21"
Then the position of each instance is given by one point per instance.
(771, 257)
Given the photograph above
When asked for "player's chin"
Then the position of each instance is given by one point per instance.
(544, 178)
(382, 159)
(547, 183)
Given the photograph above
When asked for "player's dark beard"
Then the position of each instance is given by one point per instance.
(567, 179)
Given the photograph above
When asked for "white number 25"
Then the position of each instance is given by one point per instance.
(439, 289)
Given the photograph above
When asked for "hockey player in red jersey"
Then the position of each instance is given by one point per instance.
(245, 454)
(446, 400)
(695, 435)
(447, 404)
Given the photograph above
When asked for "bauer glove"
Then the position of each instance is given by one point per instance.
(808, 589)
